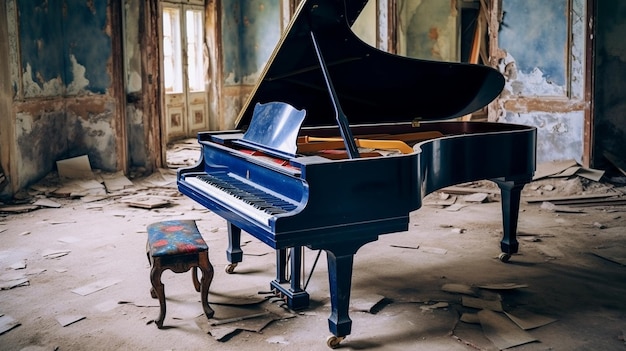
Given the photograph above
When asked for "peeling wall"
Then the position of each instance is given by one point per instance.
(250, 32)
(428, 29)
(136, 121)
(6, 95)
(60, 56)
(542, 46)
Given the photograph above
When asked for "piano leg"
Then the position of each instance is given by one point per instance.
(511, 194)
(340, 260)
(281, 266)
(340, 280)
(234, 254)
(297, 298)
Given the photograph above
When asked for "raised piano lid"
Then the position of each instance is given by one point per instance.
(372, 86)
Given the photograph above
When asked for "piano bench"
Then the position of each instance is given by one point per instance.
(177, 245)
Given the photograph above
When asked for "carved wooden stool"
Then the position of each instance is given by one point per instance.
(178, 246)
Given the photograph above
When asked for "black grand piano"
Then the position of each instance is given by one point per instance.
(339, 142)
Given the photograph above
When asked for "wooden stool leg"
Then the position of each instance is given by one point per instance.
(158, 289)
(207, 277)
(194, 277)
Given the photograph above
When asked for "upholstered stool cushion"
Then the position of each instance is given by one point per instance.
(176, 237)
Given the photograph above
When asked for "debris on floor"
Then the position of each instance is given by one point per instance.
(503, 329)
(10, 281)
(616, 254)
(95, 286)
(236, 318)
(7, 323)
(66, 320)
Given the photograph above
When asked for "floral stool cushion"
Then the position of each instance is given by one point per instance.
(175, 237)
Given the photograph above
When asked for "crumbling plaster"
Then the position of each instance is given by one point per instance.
(545, 83)
(61, 103)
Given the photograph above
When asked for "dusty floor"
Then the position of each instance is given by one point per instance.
(100, 280)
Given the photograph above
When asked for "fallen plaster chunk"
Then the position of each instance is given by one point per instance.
(503, 286)
(476, 197)
(95, 286)
(62, 221)
(460, 289)
(528, 320)
(549, 206)
(406, 247)
(147, 202)
(50, 253)
(66, 320)
(116, 181)
(47, 203)
(21, 264)
(35, 271)
(7, 323)
(502, 331)
(223, 333)
(481, 304)
(455, 207)
(434, 306)
(365, 303)
(17, 208)
(471, 318)
(75, 168)
(616, 254)
(10, 281)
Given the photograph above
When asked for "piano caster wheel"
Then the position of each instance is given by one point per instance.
(230, 268)
(504, 257)
(334, 341)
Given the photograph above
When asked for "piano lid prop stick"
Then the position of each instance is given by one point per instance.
(342, 121)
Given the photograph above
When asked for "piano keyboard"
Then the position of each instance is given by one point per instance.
(239, 195)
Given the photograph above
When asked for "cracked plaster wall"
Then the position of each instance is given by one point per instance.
(60, 83)
(543, 64)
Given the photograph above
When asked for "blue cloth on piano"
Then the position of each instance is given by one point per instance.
(175, 237)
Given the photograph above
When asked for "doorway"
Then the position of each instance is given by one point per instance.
(184, 83)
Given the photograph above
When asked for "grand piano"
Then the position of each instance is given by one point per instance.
(339, 142)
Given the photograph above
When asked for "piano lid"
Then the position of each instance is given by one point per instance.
(372, 86)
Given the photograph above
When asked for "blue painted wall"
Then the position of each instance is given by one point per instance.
(250, 31)
(535, 32)
(52, 31)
